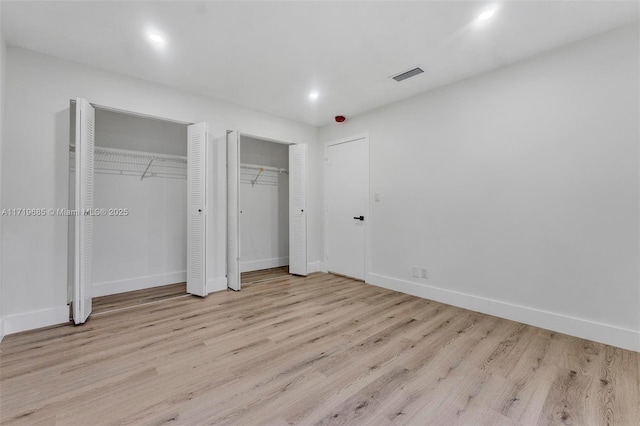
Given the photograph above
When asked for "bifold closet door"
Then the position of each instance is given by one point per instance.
(197, 209)
(298, 209)
(233, 210)
(83, 243)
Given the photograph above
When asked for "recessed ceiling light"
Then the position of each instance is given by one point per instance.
(486, 15)
(156, 38)
(314, 95)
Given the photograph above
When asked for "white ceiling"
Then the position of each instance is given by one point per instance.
(269, 55)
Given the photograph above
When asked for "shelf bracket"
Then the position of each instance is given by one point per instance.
(147, 169)
(257, 176)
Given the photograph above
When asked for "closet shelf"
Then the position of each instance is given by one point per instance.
(255, 174)
(263, 168)
(136, 163)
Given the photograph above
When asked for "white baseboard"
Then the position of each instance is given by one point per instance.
(317, 266)
(36, 319)
(1, 329)
(138, 283)
(216, 284)
(258, 265)
(586, 329)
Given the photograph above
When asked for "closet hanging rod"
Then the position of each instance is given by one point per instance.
(262, 168)
(157, 156)
(160, 162)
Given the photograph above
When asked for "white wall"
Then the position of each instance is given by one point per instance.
(518, 189)
(35, 169)
(146, 248)
(264, 222)
(264, 153)
(136, 133)
(3, 53)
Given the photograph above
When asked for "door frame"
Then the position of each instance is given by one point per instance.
(367, 212)
(73, 283)
(242, 134)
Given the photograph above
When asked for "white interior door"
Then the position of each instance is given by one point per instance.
(83, 262)
(298, 209)
(347, 193)
(197, 209)
(233, 210)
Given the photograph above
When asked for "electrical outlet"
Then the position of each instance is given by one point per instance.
(424, 273)
(416, 271)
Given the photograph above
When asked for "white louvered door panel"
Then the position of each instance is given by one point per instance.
(233, 211)
(298, 209)
(197, 209)
(84, 145)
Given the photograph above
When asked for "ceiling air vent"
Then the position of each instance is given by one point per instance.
(408, 74)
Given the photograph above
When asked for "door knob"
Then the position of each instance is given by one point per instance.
(359, 217)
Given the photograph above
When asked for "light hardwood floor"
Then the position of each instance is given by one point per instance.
(316, 350)
(130, 299)
(264, 275)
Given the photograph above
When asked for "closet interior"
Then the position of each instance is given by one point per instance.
(264, 205)
(140, 180)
